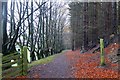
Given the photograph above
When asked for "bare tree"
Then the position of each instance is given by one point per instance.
(37, 25)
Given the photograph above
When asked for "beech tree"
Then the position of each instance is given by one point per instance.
(35, 24)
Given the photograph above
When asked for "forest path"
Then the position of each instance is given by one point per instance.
(72, 64)
(60, 67)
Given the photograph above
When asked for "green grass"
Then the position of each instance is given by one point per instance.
(45, 60)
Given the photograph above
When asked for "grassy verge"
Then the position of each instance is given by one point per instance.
(45, 60)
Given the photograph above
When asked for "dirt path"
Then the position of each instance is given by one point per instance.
(60, 67)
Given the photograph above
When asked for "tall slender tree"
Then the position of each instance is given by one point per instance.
(4, 24)
(31, 33)
(1, 28)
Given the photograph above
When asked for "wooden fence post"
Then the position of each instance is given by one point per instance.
(102, 59)
(0, 66)
(25, 63)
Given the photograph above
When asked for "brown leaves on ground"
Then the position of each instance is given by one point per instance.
(88, 64)
(25, 77)
(17, 78)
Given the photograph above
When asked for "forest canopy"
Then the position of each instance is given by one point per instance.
(91, 21)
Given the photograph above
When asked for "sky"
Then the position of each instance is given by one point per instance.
(16, 13)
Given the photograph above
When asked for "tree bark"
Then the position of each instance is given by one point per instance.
(85, 26)
(4, 24)
(31, 33)
(1, 28)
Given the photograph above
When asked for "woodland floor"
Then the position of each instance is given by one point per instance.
(73, 64)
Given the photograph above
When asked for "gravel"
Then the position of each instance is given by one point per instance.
(60, 67)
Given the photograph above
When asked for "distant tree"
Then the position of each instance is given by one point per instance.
(76, 18)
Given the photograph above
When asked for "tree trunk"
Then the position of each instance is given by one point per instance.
(4, 24)
(85, 26)
(1, 28)
(31, 32)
